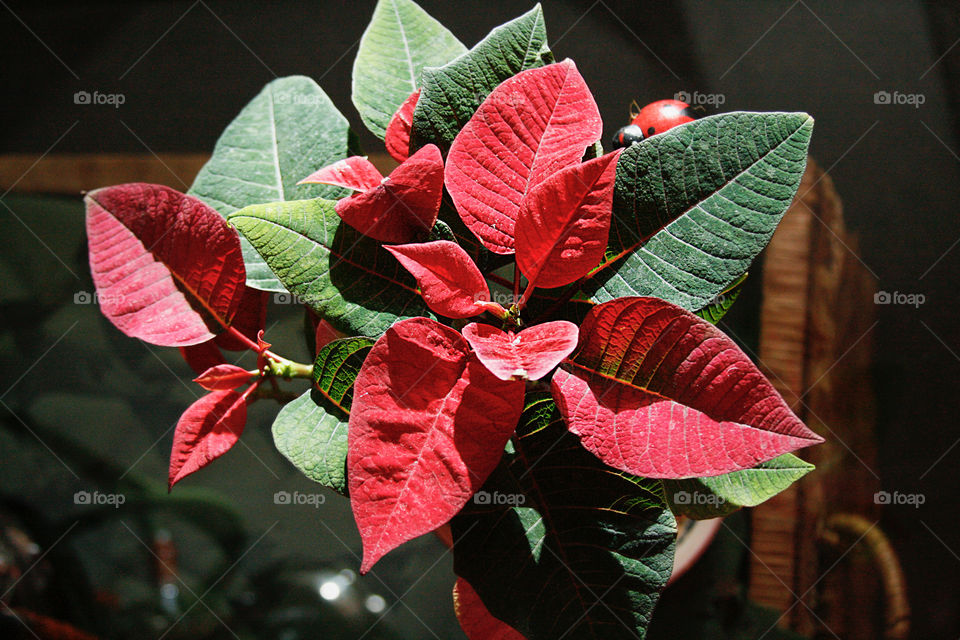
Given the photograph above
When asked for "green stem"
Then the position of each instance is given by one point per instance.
(283, 368)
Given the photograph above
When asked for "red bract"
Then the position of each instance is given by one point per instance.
(474, 618)
(564, 224)
(403, 206)
(656, 391)
(451, 284)
(167, 268)
(530, 354)
(206, 430)
(355, 172)
(427, 426)
(251, 317)
(202, 356)
(398, 131)
(531, 126)
(223, 377)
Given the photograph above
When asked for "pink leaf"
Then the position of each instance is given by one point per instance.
(656, 391)
(355, 172)
(223, 377)
(202, 356)
(404, 206)
(251, 317)
(398, 131)
(167, 268)
(206, 430)
(564, 225)
(451, 284)
(528, 355)
(531, 126)
(427, 426)
(475, 620)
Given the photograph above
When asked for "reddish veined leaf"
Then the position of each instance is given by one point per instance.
(564, 225)
(202, 356)
(427, 426)
(450, 282)
(402, 207)
(167, 267)
(223, 377)
(251, 317)
(355, 172)
(528, 355)
(474, 618)
(531, 126)
(655, 391)
(206, 430)
(398, 131)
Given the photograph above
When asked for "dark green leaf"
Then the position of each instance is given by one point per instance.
(703, 498)
(287, 132)
(347, 278)
(311, 431)
(399, 42)
(453, 92)
(694, 206)
(557, 544)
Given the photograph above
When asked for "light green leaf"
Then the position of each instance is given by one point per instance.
(399, 42)
(695, 205)
(704, 498)
(311, 431)
(287, 132)
(452, 93)
(347, 278)
(559, 545)
(718, 307)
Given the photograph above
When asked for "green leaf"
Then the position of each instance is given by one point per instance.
(287, 132)
(719, 306)
(399, 42)
(311, 431)
(703, 498)
(453, 92)
(345, 277)
(558, 544)
(695, 205)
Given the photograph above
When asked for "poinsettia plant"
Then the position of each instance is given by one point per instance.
(514, 329)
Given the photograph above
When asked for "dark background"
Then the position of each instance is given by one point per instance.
(185, 69)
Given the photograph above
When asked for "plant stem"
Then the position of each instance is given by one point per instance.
(276, 365)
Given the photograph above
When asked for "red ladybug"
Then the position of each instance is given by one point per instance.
(654, 118)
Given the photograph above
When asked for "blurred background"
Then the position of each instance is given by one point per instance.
(85, 409)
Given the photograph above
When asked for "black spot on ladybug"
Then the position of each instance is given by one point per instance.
(651, 131)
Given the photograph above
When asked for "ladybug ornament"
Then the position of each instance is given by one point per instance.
(654, 118)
